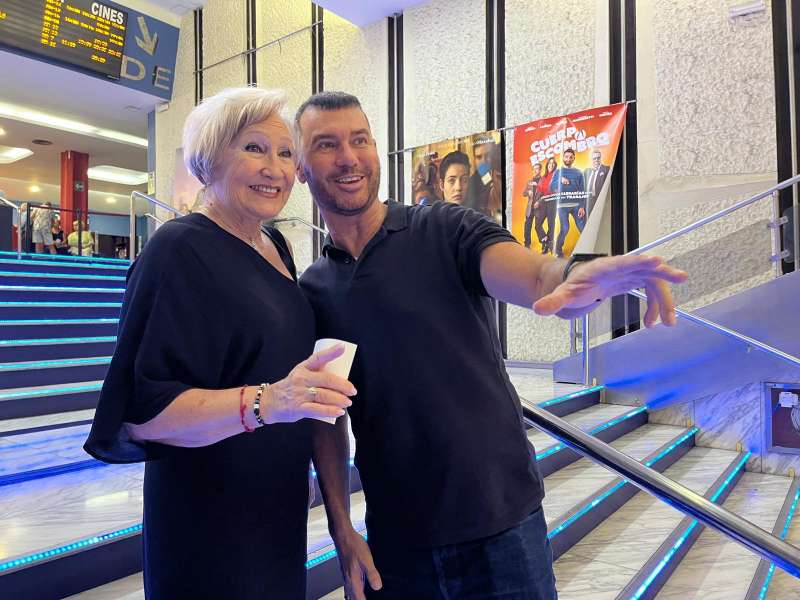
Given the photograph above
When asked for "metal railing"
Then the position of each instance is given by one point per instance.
(738, 529)
(776, 257)
(19, 224)
(154, 202)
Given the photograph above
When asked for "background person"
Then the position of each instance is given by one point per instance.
(85, 241)
(42, 229)
(215, 333)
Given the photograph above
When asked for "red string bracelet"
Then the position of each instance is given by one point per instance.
(241, 411)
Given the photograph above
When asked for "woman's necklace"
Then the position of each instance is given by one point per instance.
(244, 237)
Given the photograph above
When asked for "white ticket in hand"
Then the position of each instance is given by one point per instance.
(338, 366)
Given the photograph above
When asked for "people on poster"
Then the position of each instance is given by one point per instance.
(534, 210)
(547, 202)
(475, 156)
(594, 177)
(486, 184)
(580, 148)
(454, 177)
(568, 184)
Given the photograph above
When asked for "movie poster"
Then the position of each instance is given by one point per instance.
(464, 171)
(562, 169)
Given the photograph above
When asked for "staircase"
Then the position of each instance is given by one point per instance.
(72, 525)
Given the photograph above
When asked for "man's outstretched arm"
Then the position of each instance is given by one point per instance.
(515, 275)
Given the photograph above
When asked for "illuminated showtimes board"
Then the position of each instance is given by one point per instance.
(88, 34)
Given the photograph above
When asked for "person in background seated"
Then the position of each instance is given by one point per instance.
(58, 236)
(85, 240)
(42, 218)
(211, 382)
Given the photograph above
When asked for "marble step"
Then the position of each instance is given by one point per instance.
(35, 309)
(24, 329)
(50, 266)
(64, 293)
(772, 583)
(56, 347)
(718, 567)
(54, 372)
(43, 278)
(56, 420)
(34, 401)
(605, 421)
(607, 559)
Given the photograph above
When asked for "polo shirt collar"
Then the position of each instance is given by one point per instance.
(396, 219)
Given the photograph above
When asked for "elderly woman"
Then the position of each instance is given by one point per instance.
(211, 381)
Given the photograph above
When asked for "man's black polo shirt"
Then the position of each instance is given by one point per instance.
(440, 444)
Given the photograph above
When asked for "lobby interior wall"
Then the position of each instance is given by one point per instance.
(706, 121)
(551, 63)
(224, 35)
(169, 121)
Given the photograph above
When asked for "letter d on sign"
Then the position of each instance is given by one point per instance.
(127, 61)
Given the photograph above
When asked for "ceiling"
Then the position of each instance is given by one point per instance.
(366, 12)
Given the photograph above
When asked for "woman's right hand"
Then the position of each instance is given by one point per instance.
(308, 391)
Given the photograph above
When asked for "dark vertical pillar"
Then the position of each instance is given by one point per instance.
(396, 141)
(198, 55)
(317, 85)
(74, 187)
(496, 113)
(624, 181)
(786, 61)
(250, 31)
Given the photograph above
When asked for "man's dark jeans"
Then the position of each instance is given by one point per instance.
(516, 564)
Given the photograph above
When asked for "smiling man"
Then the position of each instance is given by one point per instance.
(453, 492)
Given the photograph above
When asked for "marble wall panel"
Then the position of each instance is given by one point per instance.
(716, 110)
(444, 64)
(224, 36)
(169, 122)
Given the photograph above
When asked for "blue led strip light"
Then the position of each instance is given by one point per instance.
(36, 304)
(49, 364)
(57, 321)
(784, 533)
(68, 259)
(50, 341)
(604, 426)
(52, 288)
(599, 499)
(571, 396)
(323, 557)
(92, 541)
(61, 275)
(73, 389)
(42, 473)
(62, 264)
(682, 539)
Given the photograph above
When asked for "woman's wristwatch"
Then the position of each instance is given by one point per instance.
(578, 258)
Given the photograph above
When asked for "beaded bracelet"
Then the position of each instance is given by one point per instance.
(241, 410)
(257, 403)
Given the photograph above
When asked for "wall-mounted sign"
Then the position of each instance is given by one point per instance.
(102, 39)
(82, 33)
(782, 417)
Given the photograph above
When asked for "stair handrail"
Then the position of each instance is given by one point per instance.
(308, 224)
(717, 215)
(154, 218)
(707, 323)
(154, 202)
(19, 224)
(733, 526)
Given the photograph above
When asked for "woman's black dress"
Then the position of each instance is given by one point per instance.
(204, 310)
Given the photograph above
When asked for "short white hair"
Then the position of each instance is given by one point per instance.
(214, 123)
